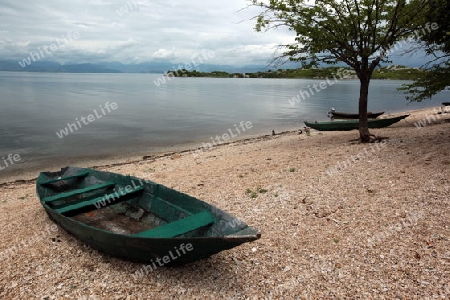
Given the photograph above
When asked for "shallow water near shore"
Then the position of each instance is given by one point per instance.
(52, 120)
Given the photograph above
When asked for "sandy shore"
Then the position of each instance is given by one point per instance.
(339, 220)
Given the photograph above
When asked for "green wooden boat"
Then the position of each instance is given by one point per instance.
(353, 124)
(138, 220)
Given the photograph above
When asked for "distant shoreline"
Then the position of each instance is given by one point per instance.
(385, 73)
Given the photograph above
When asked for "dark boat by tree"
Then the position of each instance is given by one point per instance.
(341, 115)
(138, 220)
(353, 124)
(446, 103)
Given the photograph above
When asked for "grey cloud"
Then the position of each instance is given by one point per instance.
(134, 31)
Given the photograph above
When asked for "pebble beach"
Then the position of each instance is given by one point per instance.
(338, 220)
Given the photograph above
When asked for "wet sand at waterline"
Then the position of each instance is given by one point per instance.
(337, 218)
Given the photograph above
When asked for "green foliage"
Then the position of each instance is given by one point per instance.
(429, 84)
(439, 12)
(341, 31)
(437, 41)
(261, 190)
(194, 73)
(254, 194)
(398, 73)
(251, 193)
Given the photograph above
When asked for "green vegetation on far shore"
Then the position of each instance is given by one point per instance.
(391, 72)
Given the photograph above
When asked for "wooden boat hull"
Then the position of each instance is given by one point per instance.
(341, 115)
(353, 124)
(129, 236)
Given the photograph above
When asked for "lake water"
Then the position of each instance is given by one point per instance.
(182, 113)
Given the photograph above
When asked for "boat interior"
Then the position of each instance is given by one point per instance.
(124, 206)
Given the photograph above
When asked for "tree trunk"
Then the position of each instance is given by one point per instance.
(364, 134)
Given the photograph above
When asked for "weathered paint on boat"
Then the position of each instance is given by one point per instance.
(135, 219)
(353, 124)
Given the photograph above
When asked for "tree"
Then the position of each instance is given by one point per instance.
(357, 33)
(436, 43)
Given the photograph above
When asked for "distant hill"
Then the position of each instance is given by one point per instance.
(48, 66)
(116, 67)
(201, 70)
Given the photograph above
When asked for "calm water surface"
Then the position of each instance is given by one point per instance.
(183, 112)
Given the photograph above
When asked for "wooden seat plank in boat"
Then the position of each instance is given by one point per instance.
(72, 193)
(167, 210)
(101, 200)
(178, 227)
(80, 174)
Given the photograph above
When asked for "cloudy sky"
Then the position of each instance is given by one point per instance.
(135, 31)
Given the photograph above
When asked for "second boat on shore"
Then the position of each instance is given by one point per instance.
(353, 124)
